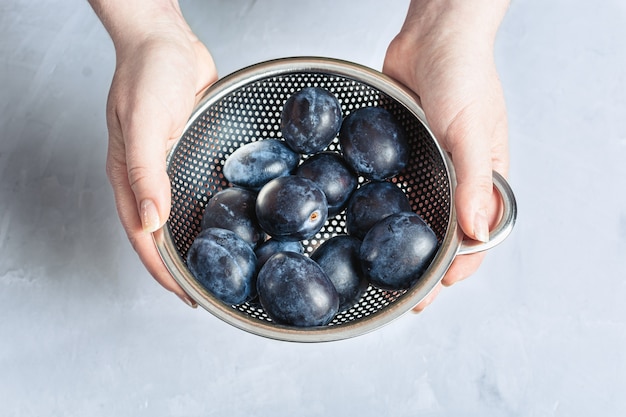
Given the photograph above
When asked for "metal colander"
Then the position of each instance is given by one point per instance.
(245, 107)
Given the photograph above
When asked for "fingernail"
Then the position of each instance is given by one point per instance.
(149, 216)
(187, 300)
(481, 227)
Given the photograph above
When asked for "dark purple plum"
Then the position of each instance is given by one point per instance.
(294, 290)
(397, 250)
(310, 120)
(234, 209)
(339, 258)
(255, 163)
(224, 264)
(333, 175)
(371, 203)
(272, 246)
(269, 248)
(373, 143)
(291, 208)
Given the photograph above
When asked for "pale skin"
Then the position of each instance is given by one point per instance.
(443, 52)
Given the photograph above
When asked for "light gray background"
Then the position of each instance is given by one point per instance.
(540, 330)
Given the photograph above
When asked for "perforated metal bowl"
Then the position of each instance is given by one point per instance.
(245, 107)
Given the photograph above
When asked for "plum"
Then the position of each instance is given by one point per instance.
(224, 264)
(310, 120)
(265, 251)
(271, 246)
(339, 258)
(291, 208)
(397, 250)
(334, 177)
(255, 163)
(371, 203)
(294, 290)
(234, 209)
(373, 143)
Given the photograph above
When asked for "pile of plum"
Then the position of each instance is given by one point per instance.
(282, 193)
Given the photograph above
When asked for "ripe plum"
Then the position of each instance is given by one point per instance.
(255, 163)
(310, 120)
(374, 143)
(234, 209)
(334, 177)
(339, 258)
(294, 290)
(224, 264)
(371, 203)
(291, 208)
(397, 250)
(271, 246)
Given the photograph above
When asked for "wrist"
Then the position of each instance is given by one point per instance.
(436, 31)
(131, 24)
(450, 22)
(479, 18)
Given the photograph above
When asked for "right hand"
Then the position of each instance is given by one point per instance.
(444, 53)
(159, 77)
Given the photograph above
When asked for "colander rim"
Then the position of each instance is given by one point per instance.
(440, 264)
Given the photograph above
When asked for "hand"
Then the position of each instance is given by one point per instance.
(444, 53)
(160, 74)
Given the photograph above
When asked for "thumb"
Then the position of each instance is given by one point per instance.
(147, 176)
(469, 144)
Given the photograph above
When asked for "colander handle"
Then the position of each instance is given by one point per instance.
(504, 226)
